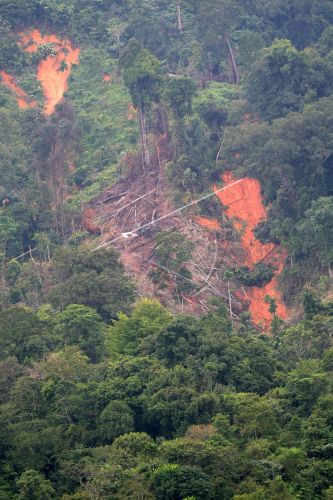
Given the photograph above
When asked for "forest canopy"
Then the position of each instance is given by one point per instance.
(117, 380)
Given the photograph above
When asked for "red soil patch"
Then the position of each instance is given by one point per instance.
(53, 72)
(212, 224)
(244, 205)
(22, 98)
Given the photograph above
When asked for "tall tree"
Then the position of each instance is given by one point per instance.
(284, 79)
(142, 76)
(94, 279)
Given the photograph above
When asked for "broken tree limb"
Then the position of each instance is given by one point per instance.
(208, 283)
(171, 214)
(109, 198)
(268, 254)
(212, 267)
(130, 203)
(23, 254)
(174, 273)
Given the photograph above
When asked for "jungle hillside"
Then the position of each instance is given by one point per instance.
(166, 250)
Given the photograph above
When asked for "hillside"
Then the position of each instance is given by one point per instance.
(166, 249)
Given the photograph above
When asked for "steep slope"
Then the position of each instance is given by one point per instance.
(244, 204)
(215, 254)
(120, 212)
(53, 71)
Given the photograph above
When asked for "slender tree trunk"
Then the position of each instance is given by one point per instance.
(210, 67)
(164, 121)
(144, 142)
(221, 147)
(142, 138)
(147, 154)
(230, 301)
(235, 74)
(3, 290)
(179, 18)
(118, 45)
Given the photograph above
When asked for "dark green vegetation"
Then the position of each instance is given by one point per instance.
(102, 398)
(162, 406)
(179, 62)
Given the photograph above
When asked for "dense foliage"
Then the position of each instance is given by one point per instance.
(105, 398)
(163, 406)
(179, 61)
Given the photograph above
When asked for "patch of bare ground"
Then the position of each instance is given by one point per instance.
(137, 201)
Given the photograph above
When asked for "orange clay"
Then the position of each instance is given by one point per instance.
(50, 73)
(244, 205)
(212, 224)
(22, 98)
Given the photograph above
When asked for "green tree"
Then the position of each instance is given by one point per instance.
(292, 461)
(254, 416)
(175, 342)
(116, 419)
(282, 80)
(316, 232)
(82, 325)
(214, 19)
(311, 304)
(301, 22)
(116, 29)
(304, 341)
(27, 399)
(33, 486)
(9, 232)
(328, 360)
(34, 443)
(172, 250)
(95, 279)
(64, 389)
(275, 490)
(178, 94)
(147, 318)
(174, 482)
(10, 370)
(305, 384)
(142, 76)
(136, 444)
(22, 335)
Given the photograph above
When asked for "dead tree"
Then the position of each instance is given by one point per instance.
(179, 18)
(235, 75)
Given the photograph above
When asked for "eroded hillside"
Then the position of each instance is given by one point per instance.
(53, 70)
(141, 197)
(166, 249)
(135, 203)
